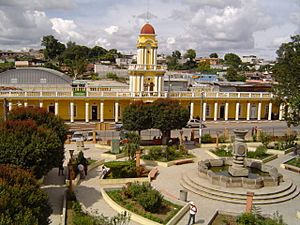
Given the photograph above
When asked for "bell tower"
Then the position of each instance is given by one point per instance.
(146, 76)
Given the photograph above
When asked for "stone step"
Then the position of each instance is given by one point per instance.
(238, 198)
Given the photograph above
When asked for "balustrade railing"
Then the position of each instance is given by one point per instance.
(127, 94)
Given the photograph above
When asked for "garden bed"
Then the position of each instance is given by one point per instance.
(293, 164)
(169, 213)
(281, 152)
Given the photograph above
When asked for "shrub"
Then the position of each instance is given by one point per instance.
(206, 138)
(151, 200)
(30, 146)
(155, 152)
(122, 169)
(170, 153)
(261, 150)
(133, 190)
(22, 202)
(265, 139)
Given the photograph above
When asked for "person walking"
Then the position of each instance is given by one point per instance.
(193, 211)
(61, 169)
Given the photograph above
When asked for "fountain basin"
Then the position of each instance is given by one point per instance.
(260, 175)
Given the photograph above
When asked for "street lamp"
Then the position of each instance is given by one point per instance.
(201, 112)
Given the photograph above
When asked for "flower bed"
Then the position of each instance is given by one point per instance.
(294, 162)
(145, 201)
(166, 154)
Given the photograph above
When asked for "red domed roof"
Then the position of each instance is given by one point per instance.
(147, 29)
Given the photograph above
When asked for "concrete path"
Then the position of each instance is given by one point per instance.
(54, 185)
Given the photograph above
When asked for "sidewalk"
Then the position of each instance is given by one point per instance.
(54, 185)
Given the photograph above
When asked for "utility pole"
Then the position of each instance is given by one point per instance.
(201, 113)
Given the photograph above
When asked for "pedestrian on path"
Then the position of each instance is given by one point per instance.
(61, 170)
(193, 211)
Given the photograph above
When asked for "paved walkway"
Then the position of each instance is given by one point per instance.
(54, 186)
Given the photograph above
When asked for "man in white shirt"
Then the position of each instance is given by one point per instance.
(193, 211)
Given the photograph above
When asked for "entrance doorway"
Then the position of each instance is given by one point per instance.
(51, 109)
(94, 112)
(253, 112)
(222, 112)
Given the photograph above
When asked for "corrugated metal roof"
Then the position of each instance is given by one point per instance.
(36, 75)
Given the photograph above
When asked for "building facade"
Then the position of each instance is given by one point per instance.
(146, 83)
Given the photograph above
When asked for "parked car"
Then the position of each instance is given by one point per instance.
(194, 123)
(78, 136)
(118, 125)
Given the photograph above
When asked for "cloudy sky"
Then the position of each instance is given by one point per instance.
(240, 26)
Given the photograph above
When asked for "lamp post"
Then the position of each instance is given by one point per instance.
(201, 112)
(70, 166)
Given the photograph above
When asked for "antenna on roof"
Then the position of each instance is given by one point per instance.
(147, 20)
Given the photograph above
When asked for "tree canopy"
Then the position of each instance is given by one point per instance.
(53, 48)
(287, 76)
(164, 115)
(190, 54)
(22, 202)
(137, 117)
(213, 55)
(232, 59)
(232, 74)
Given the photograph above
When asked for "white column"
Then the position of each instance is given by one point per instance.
(25, 104)
(159, 84)
(133, 84)
(204, 111)
(155, 84)
(216, 111)
(41, 104)
(248, 110)
(237, 110)
(86, 112)
(259, 111)
(116, 111)
(71, 112)
(270, 111)
(130, 83)
(281, 108)
(155, 57)
(56, 108)
(226, 110)
(142, 83)
(9, 106)
(192, 110)
(102, 112)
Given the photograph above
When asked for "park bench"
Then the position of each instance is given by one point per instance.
(153, 173)
(183, 161)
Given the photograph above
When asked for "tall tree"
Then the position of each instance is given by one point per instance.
(190, 54)
(176, 54)
(232, 59)
(168, 115)
(287, 76)
(213, 55)
(22, 202)
(53, 48)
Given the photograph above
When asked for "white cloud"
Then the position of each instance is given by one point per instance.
(112, 29)
(66, 29)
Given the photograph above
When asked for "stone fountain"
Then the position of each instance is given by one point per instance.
(238, 168)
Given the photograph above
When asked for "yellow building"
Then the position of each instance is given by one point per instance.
(82, 102)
